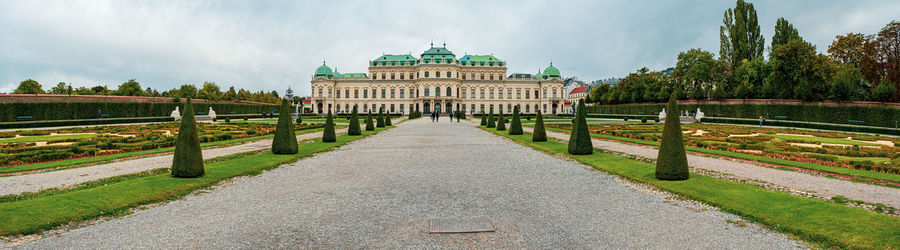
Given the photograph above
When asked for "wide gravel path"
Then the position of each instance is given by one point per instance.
(820, 185)
(381, 191)
(69, 177)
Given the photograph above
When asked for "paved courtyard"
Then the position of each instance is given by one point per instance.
(381, 191)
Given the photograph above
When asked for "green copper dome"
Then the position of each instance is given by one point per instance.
(323, 71)
(551, 71)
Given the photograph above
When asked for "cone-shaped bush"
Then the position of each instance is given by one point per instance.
(515, 127)
(580, 139)
(671, 163)
(328, 134)
(380, 121)
(540, 134)
(387, 120)
(354, 123)
(188, 161)
(484, 119)
(491, 123)
(370, 126)
(285, 141)
(501, 123)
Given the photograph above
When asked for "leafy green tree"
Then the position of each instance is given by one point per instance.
(671, 163)
(285, 141)
(515, 126)
(84, 91)
(884, 91)
(697, 72)
(210, 91)
(501, 123)
(354, 123)
(798, 72)
(187, 91)
(580, 139)
(61, 89)
(130, 88)
(784, 33)
(739, 36)
(848, 84)
(188, 159)
(328, 134)
(540, 134)
(749, 78)
(29, 87)
(379, 120)
(231, 94)
(370, 126)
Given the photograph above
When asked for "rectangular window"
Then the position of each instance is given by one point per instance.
(482, 109)
(320, 92)
(402, 75)
(492, 77)
(473, 93)
(509, 108)
(437, 74)
(401, 108)
(545, 109)
(509, 93)
(382, 76)
(401, 93)
(356, 94)
(392, 93)
(437, 91)
(527, 110)
(426, 74)
(482, 76)
(338, 95)
(527, 94)
(392, 110)
(374, 93)
(464, 76)
(426, 91)
(392, 76)
(329, 93)
(365, 93)
(383, 92)
(545, 93)
(518, 94)
(448, 74)
(492, 94)
(473, 108)
(500, 94)
(482, 93)
(464, 93)
(347, 93)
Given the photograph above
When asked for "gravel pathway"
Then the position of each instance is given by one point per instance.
(820, 185)
(68, 177)
(381, 191)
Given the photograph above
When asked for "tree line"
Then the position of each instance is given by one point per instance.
(208, 91)
(857, 67)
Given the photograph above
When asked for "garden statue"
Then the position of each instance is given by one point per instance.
(662, 115)
(176, 114)
(699, 115)
(212, 113)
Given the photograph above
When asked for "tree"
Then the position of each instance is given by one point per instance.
(231, 94)
(739, 35)
(130, 88)
(784, 33)
(849, 49)
(61, 89)
(515, 126)
(888, 45)
(848, 84)
(328, 134)
(483, 118)
(354, 123)
(379, 120)
(187, 91)
(749, 78)
(188, 159)
(501, 123)
(490, 122)
(29, 87)
(539, 133)
(84, 91)
(285, 141)
(671, 163)
(369, 125)
(100, 90)
(883, 91)
(387, 120)
(696, 70)
(580, 139)
(797, 72)
(210, 91)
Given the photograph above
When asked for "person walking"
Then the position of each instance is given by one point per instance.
(437, 116)
(761, 120)
(458, 115)
(451, 116)
(432, 116)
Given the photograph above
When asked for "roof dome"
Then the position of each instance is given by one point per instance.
(551, 71)
(323, 71)
(336, 74)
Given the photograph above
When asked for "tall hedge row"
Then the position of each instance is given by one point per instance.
(88, 110)
(873, 116)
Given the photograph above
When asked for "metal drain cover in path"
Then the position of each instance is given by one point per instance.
(461, 225)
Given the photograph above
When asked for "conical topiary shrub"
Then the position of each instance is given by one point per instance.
(540, 134)
(379, 122)
(387, 120)
(462, 114)
(285, 141)
(491, 123)
(484, 119)
(369, 125)
(515, 126)
(671, 163)
(188, 160)
(328, 134)
(501, 123)
(354, 123)
(580, 139)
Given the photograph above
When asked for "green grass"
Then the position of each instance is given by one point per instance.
(819, 222)
(39, 138)
(850, 158)
(34, 215)
(59, 165)
(823, 140)
(856, 173)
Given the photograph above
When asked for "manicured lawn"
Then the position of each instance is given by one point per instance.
(38, 138)
(820, 222)
(34, 215)
(823, 140)
(104, 158)
(836, 170)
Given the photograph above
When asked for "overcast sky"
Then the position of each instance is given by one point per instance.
(273, 45)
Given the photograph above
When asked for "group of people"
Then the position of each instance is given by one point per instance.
(435, 116)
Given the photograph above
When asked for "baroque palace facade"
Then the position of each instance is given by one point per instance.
(437, 81)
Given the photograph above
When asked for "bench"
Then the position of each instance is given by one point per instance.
(25, 118)
(719, 115)
(200, 113)
(856, 122)
(780, 117)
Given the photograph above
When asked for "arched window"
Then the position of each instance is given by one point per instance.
(437, 91)
(449, 93)
(437, 74)
(448, 74)
(426, 74)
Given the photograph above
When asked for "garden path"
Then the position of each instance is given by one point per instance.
(381, 191)
(19, 184)
(820, 185)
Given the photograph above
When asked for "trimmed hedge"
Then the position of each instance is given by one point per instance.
(88, 110)
(873, 116)
(795, 124)
(41, 124)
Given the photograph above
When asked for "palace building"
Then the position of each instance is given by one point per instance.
(437, 81)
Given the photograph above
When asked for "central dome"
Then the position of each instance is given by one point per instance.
(323, 71)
